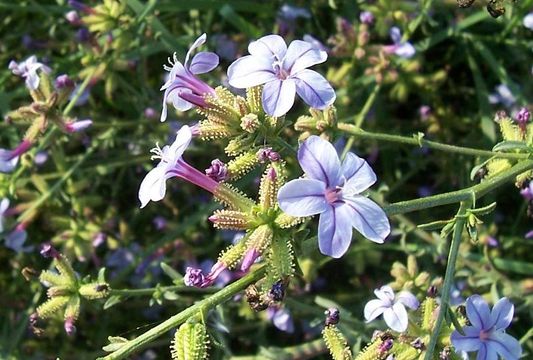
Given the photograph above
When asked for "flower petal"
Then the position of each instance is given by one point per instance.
(301, 55)
(373, 309)
(314, 89)
(153, 187)
(4, 205)
(278, 96)
(319, 160)
(250, 71)
(182, 141)
(15, 240)
(282, 319)
(270, 46)
(486, 352)
(7, 161)
(408, 299)
(468, 342)
(358, 174)
(385, 294)
(395, 34)
(197, 43)
(405, 50)
(302, 197)
(478, 312)
(396, 317)
(504, 344)
(335, 231)
(203, 62)
(501, 314)
(369, 219)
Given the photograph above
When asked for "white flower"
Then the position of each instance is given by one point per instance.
(27, 69)
(4, 205)
(528, 21)
(153, 186)
(392, 307)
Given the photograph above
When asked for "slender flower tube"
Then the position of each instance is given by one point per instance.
(10, 158)
(332, 190)
(486, 334)
(78, 126)
(153, 186)
(182, 87)
(284, 73)
(27, 69)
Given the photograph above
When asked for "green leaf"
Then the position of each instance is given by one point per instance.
(511, 146)
(239, 22)
(112, 301)
(170, 272)
(115, 343)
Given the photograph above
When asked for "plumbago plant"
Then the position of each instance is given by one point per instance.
(289, 191)
(267, 258)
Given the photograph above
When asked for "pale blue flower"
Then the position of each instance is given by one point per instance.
(182, 88)
(332, 190)
(283, 71)
(392, 307)
(502, 95)
(10, 158)
(281, 318)
(405, 49)
(27, 69)
(486, 334)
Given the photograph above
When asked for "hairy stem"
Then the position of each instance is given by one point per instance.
(150, 291)
(449, 276)
(471, 193)
(353, 130)
(209, 303)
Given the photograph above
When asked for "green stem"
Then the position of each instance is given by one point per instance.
(353, 130)
(359, 118)
(449, 276)
(150, 291)
(209, 303)
(472, 193)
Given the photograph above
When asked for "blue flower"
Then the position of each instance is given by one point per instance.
(284, 73)
(332, 190)
(486, 335)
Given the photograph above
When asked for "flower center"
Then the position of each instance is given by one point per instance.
(484, 335)
(332, 195)
(281, 73)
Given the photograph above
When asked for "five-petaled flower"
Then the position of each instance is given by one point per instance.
(153, 186)
(392, 307)
(182, 87)
(332, 190)
(486, 334)
(283, 71)
(27, 69)
(403, 49)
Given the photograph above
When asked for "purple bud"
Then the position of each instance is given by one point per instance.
(492, 241)
(218, 171)
(48, 251)
(70, 329)
(425, 112)
(64, 82)
(82, 35)
(432, 291)
(78, 125)
(277, 291)
(267, 153)
(33, 319)
(80, 6)
(332, 316)
(385, 346)
(366, 17)
(40, 158)
(160, 223)
(99, 239)
(150, 113)
(529, 235)
(73, 18)
(249, 259)
(418, 344)
(522, 117)
(193, 277)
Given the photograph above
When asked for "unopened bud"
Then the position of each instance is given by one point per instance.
(332, 316)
